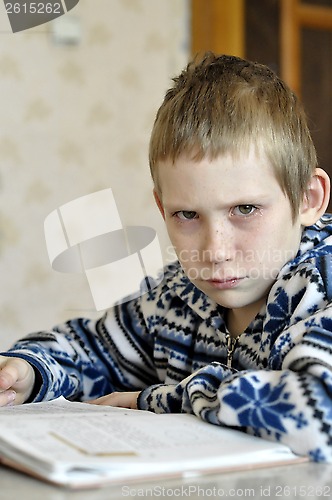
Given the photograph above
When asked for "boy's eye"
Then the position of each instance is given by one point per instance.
(244, 209)
(186, 214)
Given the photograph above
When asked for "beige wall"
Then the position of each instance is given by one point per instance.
(73, 120)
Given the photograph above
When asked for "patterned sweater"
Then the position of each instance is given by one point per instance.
(172, 344)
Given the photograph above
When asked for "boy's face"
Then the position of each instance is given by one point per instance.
(231, 226)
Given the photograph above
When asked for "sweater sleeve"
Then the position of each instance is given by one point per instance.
(85, 359)
(292, 404)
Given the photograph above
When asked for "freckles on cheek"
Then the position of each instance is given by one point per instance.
(253, 249)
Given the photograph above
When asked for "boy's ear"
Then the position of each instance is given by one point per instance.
(159, 203)
(316, 199)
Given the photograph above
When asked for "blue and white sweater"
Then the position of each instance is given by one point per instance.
(172, 344)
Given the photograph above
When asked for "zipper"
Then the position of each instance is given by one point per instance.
(231, 345)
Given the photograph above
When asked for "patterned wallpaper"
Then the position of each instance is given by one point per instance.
(75, 119)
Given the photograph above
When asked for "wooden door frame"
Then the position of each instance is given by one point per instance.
(295, 15)
(217, 25)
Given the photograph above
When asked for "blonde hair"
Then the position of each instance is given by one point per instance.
(224, 104)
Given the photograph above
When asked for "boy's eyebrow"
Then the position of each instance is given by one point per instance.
(249, 199)
(245, 199)
(179, 206)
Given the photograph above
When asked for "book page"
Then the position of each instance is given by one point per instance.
(59, 438)
(99, 431)
(59, 405)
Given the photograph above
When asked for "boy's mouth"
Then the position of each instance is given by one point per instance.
(224, 284)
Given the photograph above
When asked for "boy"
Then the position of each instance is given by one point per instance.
(240, 330)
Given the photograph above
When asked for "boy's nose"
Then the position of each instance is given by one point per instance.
(218, 245)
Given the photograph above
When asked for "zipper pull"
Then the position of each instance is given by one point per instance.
(231, 343)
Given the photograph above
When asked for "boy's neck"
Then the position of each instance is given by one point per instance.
(240, 318)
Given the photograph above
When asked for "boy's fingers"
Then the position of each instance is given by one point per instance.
(13, 370)
(7, 398)
(120, 399)
(8, 377)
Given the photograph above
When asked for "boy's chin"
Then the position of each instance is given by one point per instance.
(240, 294)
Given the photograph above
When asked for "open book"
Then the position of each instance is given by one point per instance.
(81, 445)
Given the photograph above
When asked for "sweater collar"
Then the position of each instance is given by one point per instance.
(197, 300)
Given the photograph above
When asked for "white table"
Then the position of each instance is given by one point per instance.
(309, 481)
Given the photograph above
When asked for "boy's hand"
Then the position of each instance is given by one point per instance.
(17, 379)
(120, 399)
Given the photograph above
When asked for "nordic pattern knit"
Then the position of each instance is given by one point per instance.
(173, 344)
